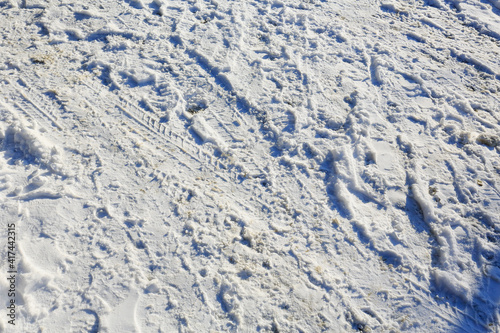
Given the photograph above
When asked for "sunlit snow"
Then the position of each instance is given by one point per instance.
(250, 166)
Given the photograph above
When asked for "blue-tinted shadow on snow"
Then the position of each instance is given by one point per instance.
(95, 326)
(329, 178)
(481, 313)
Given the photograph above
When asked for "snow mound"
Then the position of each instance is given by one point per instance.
(30, 146)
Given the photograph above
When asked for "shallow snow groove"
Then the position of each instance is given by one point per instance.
(282, 166)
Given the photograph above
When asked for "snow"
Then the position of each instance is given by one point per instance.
(240, 166)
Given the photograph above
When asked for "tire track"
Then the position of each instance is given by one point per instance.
(28, 104)
(149, 126)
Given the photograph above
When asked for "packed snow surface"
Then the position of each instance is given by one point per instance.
(251, 166)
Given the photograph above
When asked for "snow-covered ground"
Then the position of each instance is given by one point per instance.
(250, 166)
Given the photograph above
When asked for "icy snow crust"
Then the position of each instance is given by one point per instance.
(242, 166)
